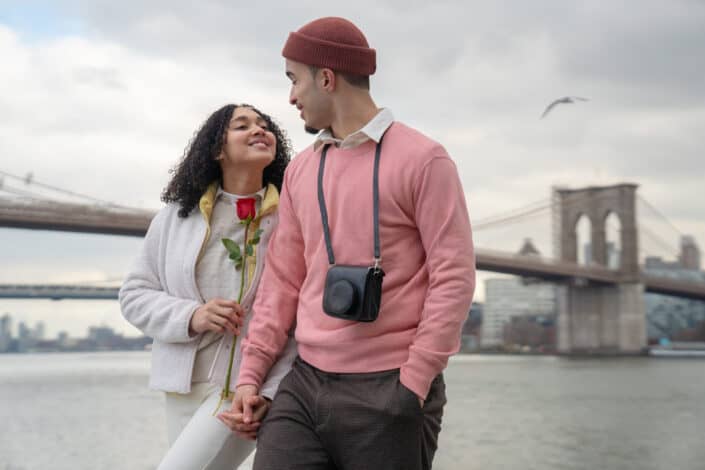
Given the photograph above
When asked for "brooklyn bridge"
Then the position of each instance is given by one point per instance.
(600, 304)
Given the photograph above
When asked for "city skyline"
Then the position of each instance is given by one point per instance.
(34, 339)
(72, 316)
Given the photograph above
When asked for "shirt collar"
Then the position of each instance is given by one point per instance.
(373, 130)
(268, 198)
(259, 195)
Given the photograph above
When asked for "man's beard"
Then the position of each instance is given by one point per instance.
(311, 130)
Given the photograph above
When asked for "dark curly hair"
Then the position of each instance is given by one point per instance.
(198, 167)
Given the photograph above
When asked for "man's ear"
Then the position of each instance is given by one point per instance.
(327, 80)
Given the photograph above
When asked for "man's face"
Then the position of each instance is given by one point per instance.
(307, 94)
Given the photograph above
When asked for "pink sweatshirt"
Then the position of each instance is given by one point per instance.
(427, 255)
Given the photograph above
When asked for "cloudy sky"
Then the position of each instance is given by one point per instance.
(101, 98)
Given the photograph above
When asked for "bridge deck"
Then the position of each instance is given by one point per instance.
(47, 215)
(66, 217)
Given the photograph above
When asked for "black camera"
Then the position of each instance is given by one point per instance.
(353, 292)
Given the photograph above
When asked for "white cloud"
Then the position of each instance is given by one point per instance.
(108, 107)
(93, 116)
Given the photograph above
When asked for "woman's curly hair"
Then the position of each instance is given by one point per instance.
(198, 167)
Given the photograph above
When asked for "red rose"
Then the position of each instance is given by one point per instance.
(245, 208)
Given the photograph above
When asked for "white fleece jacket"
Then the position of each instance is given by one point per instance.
(160, 295)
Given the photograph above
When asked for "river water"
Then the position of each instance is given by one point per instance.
(94, 411)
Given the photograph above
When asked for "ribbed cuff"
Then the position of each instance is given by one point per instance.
(417, 382)
(251, 370)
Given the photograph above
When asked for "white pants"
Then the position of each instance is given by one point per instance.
(197, 438)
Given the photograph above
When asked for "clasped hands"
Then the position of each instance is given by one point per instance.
(247, 411)
(248, 408)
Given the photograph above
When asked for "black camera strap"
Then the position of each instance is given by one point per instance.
(375, 203)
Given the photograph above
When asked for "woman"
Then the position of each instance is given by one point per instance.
(183, 287)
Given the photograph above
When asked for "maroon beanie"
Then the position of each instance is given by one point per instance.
(333, 43)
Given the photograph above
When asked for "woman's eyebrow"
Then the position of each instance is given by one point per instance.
(258, 119)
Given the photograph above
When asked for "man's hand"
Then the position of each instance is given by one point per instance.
(247, 411)
(217, 315)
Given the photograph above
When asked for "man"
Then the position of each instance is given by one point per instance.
(361, 395)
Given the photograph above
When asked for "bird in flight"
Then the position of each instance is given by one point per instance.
(565, 99)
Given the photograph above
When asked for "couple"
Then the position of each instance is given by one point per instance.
(370, 192)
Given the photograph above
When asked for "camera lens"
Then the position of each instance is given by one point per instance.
(341, 297)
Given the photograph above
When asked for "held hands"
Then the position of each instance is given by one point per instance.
(218, 315)
(246, 413)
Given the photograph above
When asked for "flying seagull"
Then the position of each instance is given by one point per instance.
(565, 99)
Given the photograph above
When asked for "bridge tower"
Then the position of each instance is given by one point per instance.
(598, 318)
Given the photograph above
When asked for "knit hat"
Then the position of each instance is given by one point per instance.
(333, 43)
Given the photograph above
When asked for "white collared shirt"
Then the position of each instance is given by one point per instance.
(373, 130)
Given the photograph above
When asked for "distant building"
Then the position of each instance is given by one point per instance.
(62, 339)
(509, 298)
(39, 331)
(538, 332)
(24, 332)
(5, 333)
(690, 253)
(25, 340)
(104, 337)
(100, 338)
(101, 333)
(470, 337)
(655, 263)
(506, 298)
(688, 259)
(670, 317)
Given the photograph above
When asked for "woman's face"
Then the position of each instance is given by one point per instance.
(249, 144)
